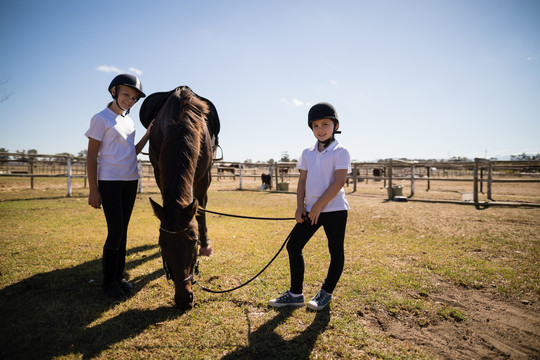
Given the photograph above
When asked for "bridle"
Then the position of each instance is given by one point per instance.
(194, 265)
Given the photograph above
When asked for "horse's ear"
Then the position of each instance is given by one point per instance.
(158, 209)
(191, 209)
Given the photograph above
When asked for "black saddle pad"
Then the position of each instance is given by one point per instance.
(151, 106)
(153, 103)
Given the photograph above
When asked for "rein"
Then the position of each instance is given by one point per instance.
(195, 264)
(242, 216)
(263, 269)
(250, 280)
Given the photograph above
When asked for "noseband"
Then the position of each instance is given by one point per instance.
(194, 265)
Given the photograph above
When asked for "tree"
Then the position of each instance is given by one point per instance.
(284, 157)
(61, 157)
(21, 155)
(524, 157)
(4, 157)
(459, 159)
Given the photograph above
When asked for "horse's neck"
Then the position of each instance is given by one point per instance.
(178, 173)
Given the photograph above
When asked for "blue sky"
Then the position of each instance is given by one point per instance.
(410, 79)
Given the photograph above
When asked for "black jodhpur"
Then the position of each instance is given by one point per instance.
(118, 199)
(334, 224)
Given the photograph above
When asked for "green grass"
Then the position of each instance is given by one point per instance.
(397, 254)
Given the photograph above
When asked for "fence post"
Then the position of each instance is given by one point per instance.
(428, 177)
(69, 176)
(481, 180)
(240, 176)
(271, 172)
(490, 180)
(412, 181)
(31, 161)
(276, 172)
(475, 177)
(390, 190)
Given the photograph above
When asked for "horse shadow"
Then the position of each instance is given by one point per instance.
(265, 343)
(58, 313)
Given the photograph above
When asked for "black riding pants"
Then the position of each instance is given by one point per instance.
(334, 224)
(118, 199)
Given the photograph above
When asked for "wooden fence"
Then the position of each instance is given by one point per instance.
(482, 173)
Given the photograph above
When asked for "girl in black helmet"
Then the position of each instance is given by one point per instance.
(112, 175)
(321, 201)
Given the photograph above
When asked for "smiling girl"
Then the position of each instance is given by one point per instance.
(321, 201)
(112, 175)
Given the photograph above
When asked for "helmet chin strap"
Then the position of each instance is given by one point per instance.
(328, 141)
(117, 104)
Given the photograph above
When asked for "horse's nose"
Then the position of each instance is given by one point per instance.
(184, 301)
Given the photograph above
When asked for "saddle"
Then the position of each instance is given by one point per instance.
(153, 103)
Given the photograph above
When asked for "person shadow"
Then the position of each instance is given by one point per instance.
(265, 343)
(59, 313)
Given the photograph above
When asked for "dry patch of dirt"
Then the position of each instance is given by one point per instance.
(494, 328)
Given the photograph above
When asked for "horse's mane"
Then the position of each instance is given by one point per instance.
(184, 114)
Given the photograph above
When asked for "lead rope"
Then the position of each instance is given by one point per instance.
(263, 269)
(242, 216)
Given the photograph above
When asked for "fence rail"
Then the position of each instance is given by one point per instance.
(481, 172)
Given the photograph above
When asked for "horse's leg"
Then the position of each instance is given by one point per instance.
(206, 249)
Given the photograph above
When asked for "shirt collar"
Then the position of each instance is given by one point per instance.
(331, 147)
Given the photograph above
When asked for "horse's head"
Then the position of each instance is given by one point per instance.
(179, 245)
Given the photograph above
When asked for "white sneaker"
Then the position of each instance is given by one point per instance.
(287, 299)
(320, 300)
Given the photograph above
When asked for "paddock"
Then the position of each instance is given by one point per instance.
(421, 280)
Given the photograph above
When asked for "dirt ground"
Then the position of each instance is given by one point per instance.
(495, 328)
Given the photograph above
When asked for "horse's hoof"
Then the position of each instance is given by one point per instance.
(206, 251)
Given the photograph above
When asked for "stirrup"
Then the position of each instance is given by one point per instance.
(214, 151)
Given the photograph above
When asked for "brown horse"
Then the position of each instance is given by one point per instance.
(181, 154)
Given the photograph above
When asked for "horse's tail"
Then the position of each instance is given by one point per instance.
(181, 144)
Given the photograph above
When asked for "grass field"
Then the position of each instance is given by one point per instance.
(421, 281)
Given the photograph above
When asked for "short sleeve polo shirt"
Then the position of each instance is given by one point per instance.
(320, 167)
(117, 158)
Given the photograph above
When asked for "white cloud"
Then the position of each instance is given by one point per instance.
(135, 71)
(107, 68)
(297, 102)
(114, 69)
(333, 82)
(294, 102)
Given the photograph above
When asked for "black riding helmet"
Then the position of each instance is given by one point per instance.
(127, 80)
(323, 110)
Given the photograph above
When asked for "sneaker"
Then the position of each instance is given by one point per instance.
(126, 286)
(287, 299)
(320, 300)
(114, 291)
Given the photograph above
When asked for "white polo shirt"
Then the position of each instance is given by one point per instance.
(320, 167)
(117, 158)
